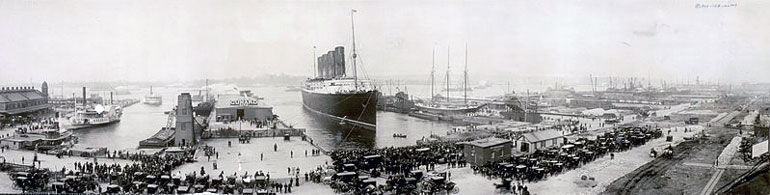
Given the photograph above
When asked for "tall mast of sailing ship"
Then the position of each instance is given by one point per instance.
(447, 74)
(352, 25)
(465, 79)
(432, 75)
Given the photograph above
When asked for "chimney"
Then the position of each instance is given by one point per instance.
(85, 101)
(110, 97)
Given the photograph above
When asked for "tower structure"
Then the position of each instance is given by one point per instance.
(185, 133)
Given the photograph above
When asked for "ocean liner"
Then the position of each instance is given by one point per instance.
(339, 96)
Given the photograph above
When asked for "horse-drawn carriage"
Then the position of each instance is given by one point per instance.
(668, 152)
(439, 185)
(504, 186)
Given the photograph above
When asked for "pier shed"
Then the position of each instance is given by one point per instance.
(478, 152)
(539, 140)
(20, 101)
(234, 107)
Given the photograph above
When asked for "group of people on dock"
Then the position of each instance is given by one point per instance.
(394, 163)
(26, 126)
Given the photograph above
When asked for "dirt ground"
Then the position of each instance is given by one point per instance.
(678, 175)
(672, 176)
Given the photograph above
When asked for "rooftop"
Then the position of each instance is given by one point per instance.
(20, 95)
(542, 135)
(487, 142)
(232, 100)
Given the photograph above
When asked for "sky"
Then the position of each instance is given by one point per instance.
(143, 40)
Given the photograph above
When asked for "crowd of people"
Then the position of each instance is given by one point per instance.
(28, 125)
(85, 176)
(395, 163)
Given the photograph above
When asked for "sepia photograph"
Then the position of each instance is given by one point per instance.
(385, 97)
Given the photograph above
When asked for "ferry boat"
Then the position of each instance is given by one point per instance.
(95, 116)
(153, 99)
(339, 96)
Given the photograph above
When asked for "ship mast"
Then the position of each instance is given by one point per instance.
(432, 75)
(353, 27)
(465, 79)
(447, 74)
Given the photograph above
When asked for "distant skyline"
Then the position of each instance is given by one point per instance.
(193, 39)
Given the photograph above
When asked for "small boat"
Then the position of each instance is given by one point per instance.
(399, 135)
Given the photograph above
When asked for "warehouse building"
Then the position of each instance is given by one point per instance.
(23, 101)
(234, 107)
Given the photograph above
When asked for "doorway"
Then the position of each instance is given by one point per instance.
(239, 114)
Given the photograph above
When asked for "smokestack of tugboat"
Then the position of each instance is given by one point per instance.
(332, 64)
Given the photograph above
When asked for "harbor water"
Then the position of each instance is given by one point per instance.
(141, 121)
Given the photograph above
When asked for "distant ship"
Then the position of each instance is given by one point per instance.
(95, 116)
(293, 89)
(333, 94)
(153, 99)
(457, 89)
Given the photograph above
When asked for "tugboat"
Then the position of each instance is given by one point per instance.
(339, 96)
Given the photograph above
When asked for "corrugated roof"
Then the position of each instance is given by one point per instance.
(542, 135)
(33, 95)
(15, 97)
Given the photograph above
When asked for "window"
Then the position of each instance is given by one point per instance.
(554, 142)
(542, 144)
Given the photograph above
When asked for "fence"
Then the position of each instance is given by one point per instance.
(231, 133)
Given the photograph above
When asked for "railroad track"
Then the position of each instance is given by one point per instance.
(655, 168)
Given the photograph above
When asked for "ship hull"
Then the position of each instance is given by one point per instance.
(448, 111)
(74, 126)
(360, 109)
(154, 103)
